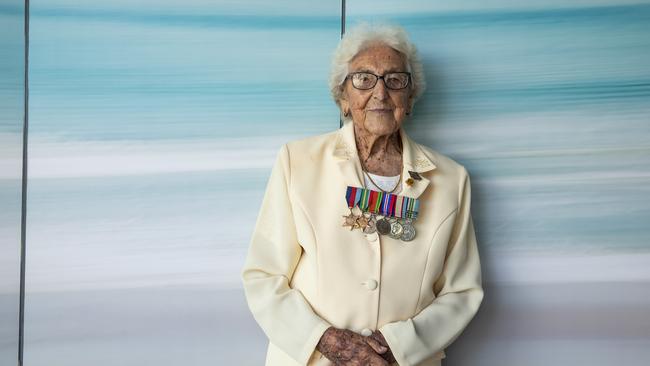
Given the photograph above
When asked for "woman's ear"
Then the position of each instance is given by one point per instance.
(345, 105)
(410, 104)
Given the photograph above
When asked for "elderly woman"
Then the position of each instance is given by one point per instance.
(364, 251)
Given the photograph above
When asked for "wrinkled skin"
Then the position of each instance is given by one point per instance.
(378, 113)
(346, 348)
(388, 355)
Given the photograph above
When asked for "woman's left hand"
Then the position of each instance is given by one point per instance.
(377, 341)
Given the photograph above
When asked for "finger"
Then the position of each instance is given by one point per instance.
(379, 338)
(388, 356)
(369, 360)
(376, 346)
(377, 360)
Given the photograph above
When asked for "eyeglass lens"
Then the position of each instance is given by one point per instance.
(393, 80)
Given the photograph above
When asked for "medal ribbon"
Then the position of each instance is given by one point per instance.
(382, 203)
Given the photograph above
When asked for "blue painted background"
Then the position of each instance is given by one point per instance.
(548, 106)
(12, 108)
(153, 127)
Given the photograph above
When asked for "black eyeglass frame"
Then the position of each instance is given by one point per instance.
(408, 81)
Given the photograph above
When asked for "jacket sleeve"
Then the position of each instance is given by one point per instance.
(282, 312)
(459, 295)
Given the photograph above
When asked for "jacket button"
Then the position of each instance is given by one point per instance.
(371, 284)
(366, 332)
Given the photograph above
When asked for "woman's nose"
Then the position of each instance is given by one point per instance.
(379, 91)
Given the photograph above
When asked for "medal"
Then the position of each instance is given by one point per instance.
(363, 221)
(408, 231)
(396, 213)
(351, 220)
(372, 225)
(382, 203)
(396, 229)
(383, 226)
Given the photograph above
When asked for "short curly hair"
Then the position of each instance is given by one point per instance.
(363, 36)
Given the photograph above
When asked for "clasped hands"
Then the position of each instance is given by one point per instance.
(346, 348)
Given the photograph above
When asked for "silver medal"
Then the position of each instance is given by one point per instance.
(408, 232)
(396, 229)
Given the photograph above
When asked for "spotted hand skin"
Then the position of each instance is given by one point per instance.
(379, 338)
(346, 348)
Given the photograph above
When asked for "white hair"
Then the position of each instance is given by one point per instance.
(365, 35)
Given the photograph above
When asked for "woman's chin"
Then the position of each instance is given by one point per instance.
(380, 126)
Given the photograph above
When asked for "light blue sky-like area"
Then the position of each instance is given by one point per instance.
(370, 7)
(160, 105)
(12, 93)
(154, 125)
(259, 7)
(548, 110)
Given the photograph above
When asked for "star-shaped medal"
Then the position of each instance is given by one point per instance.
(363, 222)
(351, 220)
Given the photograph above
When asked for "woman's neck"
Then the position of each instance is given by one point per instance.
(379, 154)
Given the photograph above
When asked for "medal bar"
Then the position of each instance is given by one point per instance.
(386, 213)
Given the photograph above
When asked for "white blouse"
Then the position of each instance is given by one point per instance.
(385, 183)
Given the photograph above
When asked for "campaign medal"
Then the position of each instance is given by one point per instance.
(396, 229)
(383, 226)
(408, 230)
(372, 224)
(382, 212)
(362, 221)
(351, 220)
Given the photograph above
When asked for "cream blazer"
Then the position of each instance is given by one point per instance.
(305, 272)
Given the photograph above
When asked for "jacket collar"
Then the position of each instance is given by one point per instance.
(413, 159)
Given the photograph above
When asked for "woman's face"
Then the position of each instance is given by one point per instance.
(379, 110)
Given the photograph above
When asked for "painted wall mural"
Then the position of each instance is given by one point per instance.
(12, 109)
(548, 106)
(153, 129)
(154, 125)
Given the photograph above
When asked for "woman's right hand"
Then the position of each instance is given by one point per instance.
(347, 348)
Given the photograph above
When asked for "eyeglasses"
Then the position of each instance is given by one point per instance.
(368, 80)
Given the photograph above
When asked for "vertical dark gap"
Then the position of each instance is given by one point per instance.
(342, 33)
(23, 215)
(342, 18)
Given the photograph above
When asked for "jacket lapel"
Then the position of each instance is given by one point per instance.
(413, 158)
(347, 157)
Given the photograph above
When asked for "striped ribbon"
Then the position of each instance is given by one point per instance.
(381, 203)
